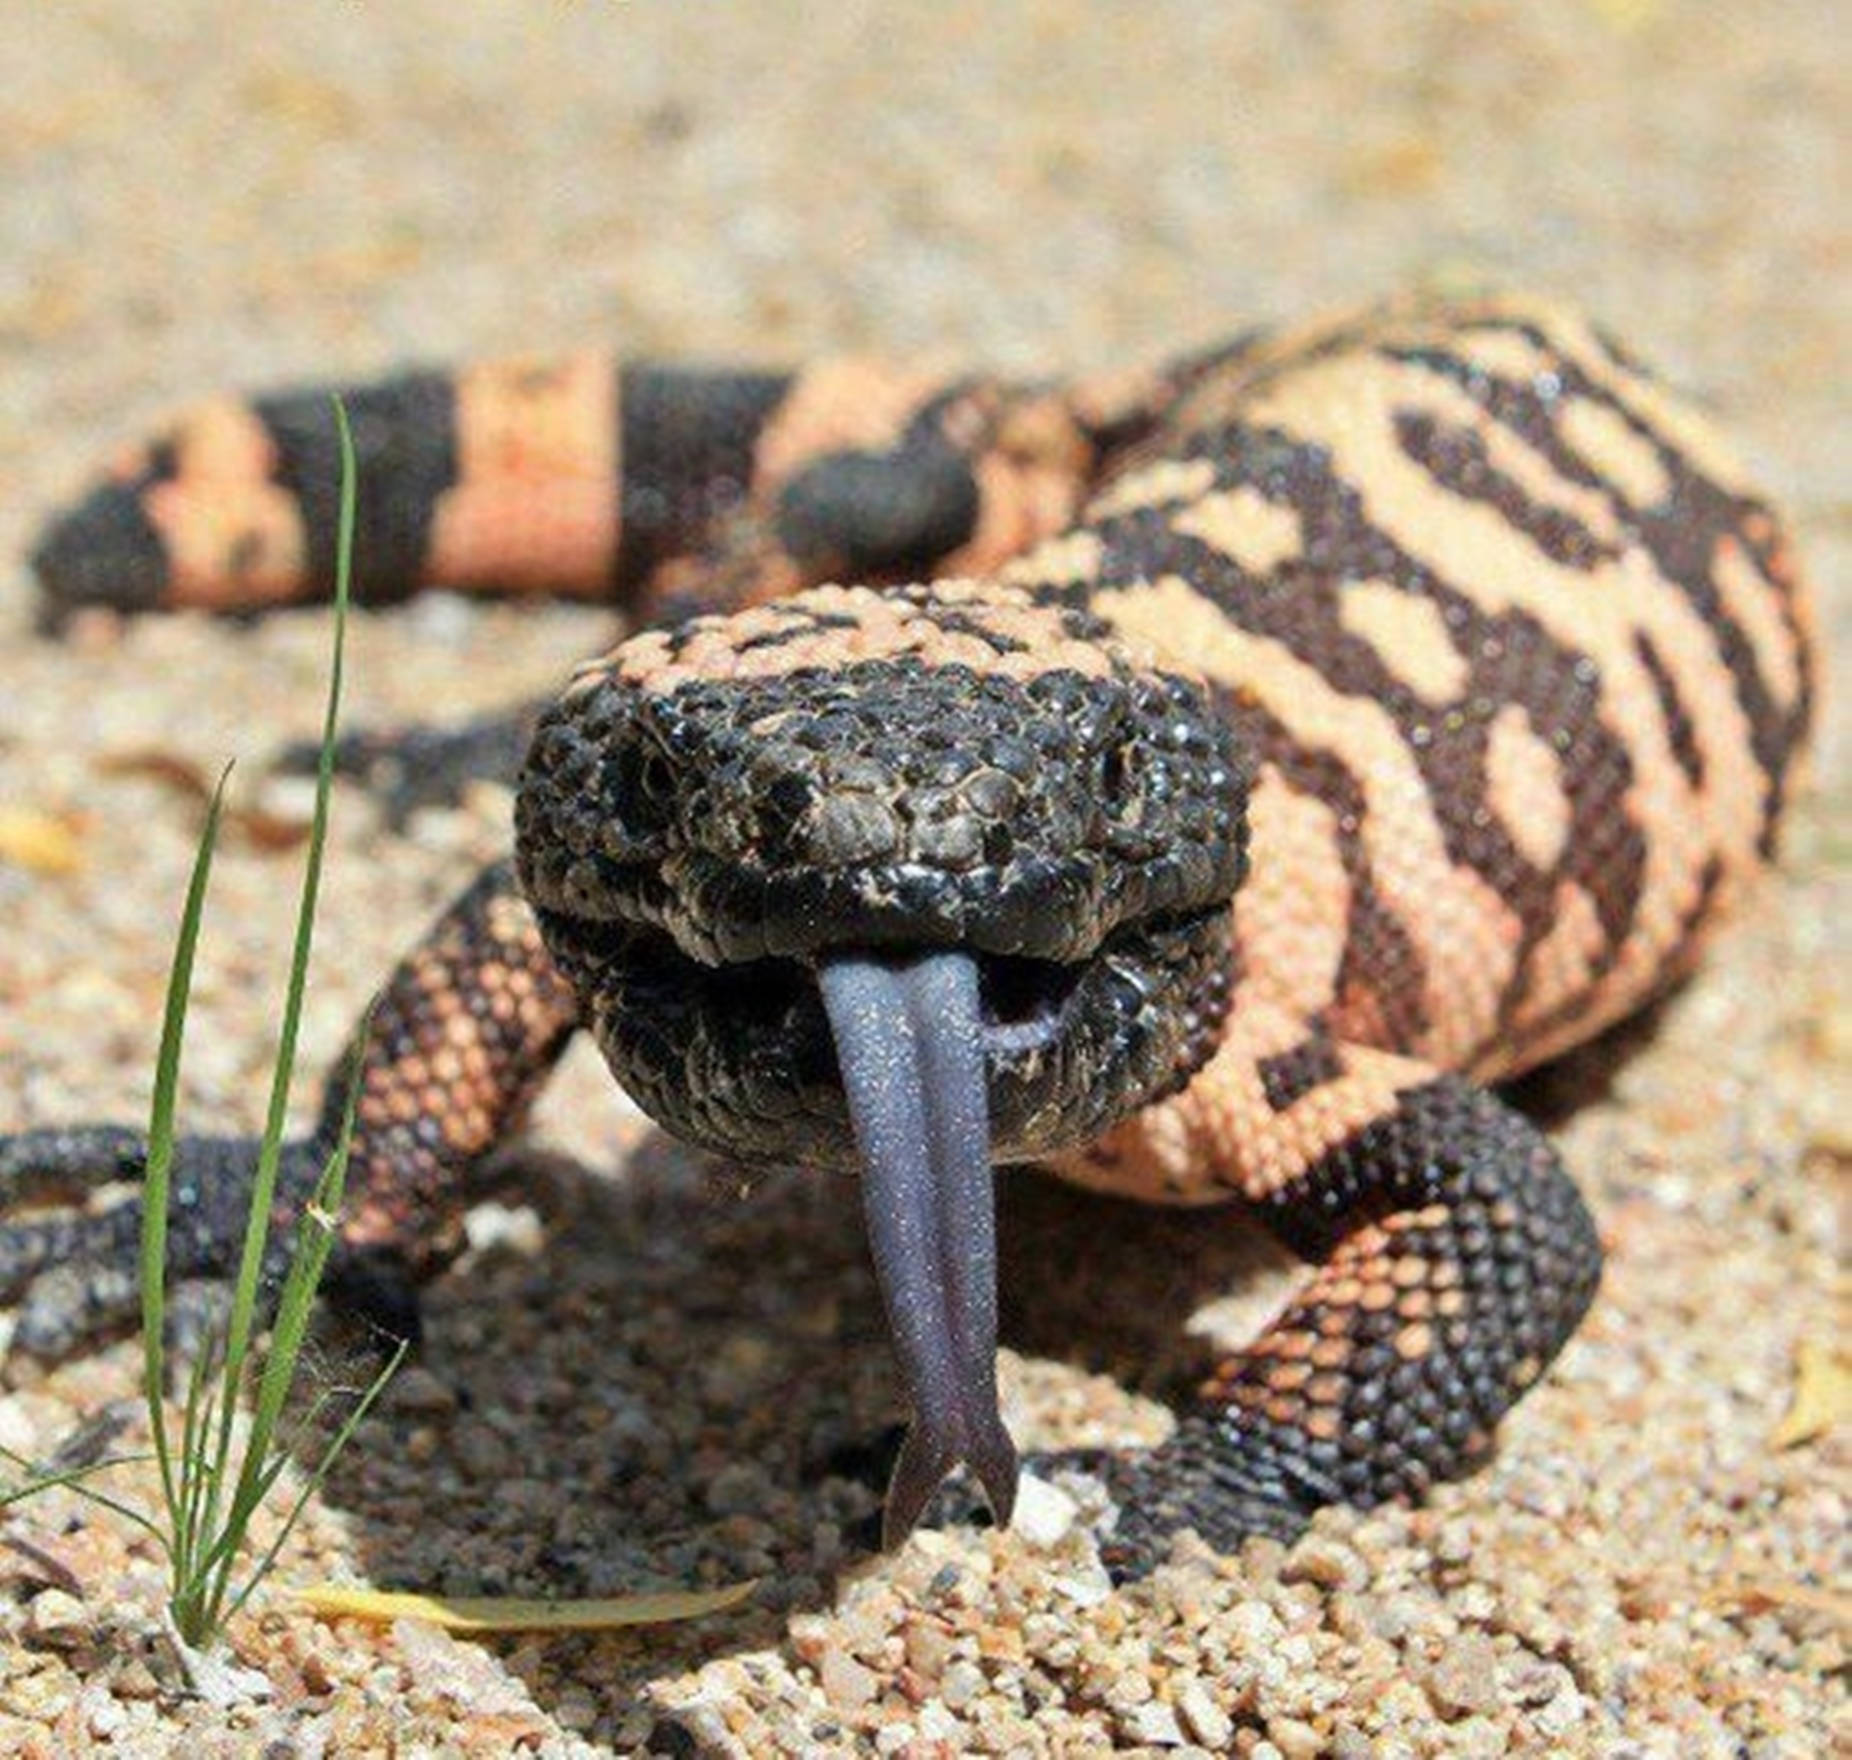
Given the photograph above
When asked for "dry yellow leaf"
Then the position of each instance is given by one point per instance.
(513, 1613)
(42, 843)
(1822, 1395)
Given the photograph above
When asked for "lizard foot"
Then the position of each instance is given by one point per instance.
(408, 769)
(1160, 1492)
(1194, 1481)
(75, 1271)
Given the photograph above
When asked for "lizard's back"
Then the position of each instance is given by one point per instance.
(1525, 668)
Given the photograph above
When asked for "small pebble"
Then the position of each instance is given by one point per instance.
(1202, 1716)
(929, 1647)
(1454, 1543)
(1326, 1562)
(1156, 1723)
(1478, 1738)
(59, 1620)
(105, 1719)
(481, 1453)
(739, 1488)
(845, 1682)
(415, 1389)
(1563, 1713)
(1044, 1512)
(1295, 1740)
(1530, 1680)
(576, 1708)
(1465, 1677)
(961, 1684)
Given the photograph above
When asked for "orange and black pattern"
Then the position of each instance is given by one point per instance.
(1455, 1258)
(660, 489)
(1520, 663)
(465, 1032)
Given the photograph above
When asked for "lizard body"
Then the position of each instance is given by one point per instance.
(1213, 778)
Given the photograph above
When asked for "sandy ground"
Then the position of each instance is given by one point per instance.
(663, 1390)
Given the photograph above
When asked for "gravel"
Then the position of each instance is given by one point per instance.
(662, 1385)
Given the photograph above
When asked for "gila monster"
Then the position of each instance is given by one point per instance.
(1212, 777)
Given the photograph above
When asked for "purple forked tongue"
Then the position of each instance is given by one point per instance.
(910, 1042)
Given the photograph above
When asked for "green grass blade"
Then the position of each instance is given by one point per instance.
(264, 1481)
(264, 1460)
(201, 1468)
(199, 1461)
(160, 1160)
(263, 1189)
(336, 1445)
(314, 1241)
(74, 1478)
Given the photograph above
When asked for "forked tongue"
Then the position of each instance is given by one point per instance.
(909, 1039)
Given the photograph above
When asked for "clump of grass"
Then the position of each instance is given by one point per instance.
(213, 1480)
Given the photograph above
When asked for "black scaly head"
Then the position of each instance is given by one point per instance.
(902, 913)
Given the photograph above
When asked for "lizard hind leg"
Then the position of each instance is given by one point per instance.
(1454, 1259)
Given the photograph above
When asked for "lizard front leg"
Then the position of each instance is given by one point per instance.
(465, 1032)
(1454, 1258)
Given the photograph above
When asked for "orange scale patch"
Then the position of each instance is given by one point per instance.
(1414, 1342)
(536, 460)
(848, 403)
(1327, 1390)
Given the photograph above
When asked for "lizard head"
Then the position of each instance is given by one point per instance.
(907, 883)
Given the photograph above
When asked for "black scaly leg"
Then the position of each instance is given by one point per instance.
(407, 769)
(1455, 1259)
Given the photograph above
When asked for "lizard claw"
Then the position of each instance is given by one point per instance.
(1156, 1493)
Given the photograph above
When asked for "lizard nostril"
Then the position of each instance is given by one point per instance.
(655, 778)
(1112, 773)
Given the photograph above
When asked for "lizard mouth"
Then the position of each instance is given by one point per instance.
(919, 1070)
(743, 1057)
